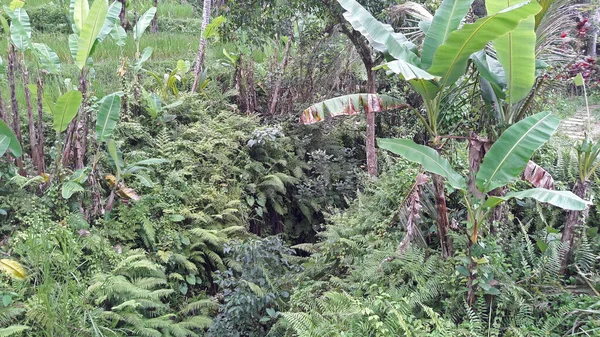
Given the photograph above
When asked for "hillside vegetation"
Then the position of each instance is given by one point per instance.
(299, 168)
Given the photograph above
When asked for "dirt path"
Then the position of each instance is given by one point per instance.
(575, 126)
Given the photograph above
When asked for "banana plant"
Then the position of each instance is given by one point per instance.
(123, 171)
(167, 83)
(444, 57)
(502, 164)
(91, 25)
(588, 153)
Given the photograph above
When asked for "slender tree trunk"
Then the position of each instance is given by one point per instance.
(154, 28)
(478, 147)
(594, 38)
(82, 127)
(16, 124)
(40, 123)
(123, 14)
(74, 148)
(202, 47)
(277, 89)
(370, 143)
(30, 118)
(443, 224)
(2, 111)
(364, 50)
(573, 219)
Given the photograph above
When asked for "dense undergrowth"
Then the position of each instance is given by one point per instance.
(212, 214)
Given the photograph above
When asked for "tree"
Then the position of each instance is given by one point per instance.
(202, 47)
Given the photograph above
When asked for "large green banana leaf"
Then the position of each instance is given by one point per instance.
(509, 155)
(490, 69)
(81, 10)
(48, 58)
(562, 199)
(8, 141)
(426, 156)
(450, 59)
(426, 88)
(516, 52)
(65, 109)
(91, 28)
(108, 116)
(143, 23)
(446, 20)
(112, 19)
(407, 70)
(349, 105)
(73, 39)
(380, 36)
(20, 28)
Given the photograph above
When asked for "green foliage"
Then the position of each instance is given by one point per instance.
(252, 295)
(91, 27)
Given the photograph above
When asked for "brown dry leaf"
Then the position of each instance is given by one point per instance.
(537, 176)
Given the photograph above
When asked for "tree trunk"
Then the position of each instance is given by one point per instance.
(30, 118)
(594, 38)
(443, 224)
(16, 124)
(370, 143)
(40, 123)
(122, 14)
(277, 88)
(202, 47)
(573, 219)
(478, 147)
(154, 28)
(82, 127)
(364, 50)
(75, 145)
(3, 115)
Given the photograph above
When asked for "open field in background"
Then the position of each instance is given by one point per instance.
(177, 39)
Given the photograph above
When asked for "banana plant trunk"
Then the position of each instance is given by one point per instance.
(370, 143)
(573, 219)
(202, 47)
(154, 28)
(364, 50)
(443, 223)
(16, 124)
(2, 111)
(82, 126)
(122, 14)
(74, 150)
(40, 123)
(277, 88)
(30, 118)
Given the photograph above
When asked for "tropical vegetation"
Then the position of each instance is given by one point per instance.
(299, 168)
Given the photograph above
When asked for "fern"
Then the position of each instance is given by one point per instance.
(12, 330)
